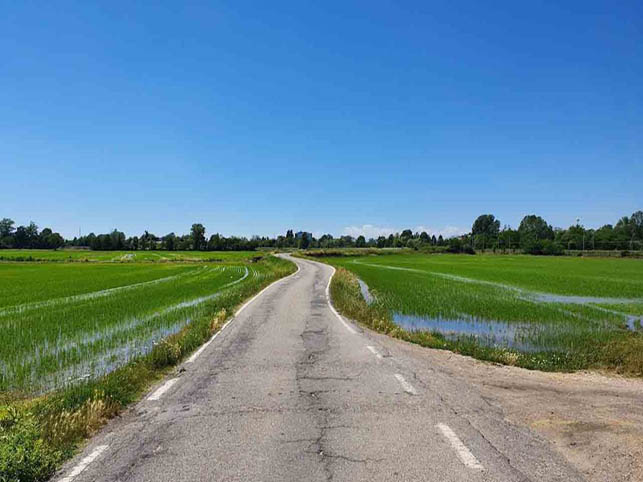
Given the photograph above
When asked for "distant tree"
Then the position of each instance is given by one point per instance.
(117, 239)
(326, 241)
(360, 242)
(26, 236)
(43, 238)
(216, 243)
(55, 241)
(6, 227)
(290, 238)
(89, 239)
(636, 220)
(184, 242)
(168, 242)
(440, 240)
(406, 234)
(604, 237)
(197, 233)
(532, 231)
(485, 229)
(20, 238)
(304, 241)
(414, 243)
(144, 241)
(32, 235)
(571, 238)
(424, 237)
(459, 245)
(508, 238)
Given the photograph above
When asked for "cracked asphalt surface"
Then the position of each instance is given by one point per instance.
(286, 392)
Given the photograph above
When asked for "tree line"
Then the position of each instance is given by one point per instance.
(534, 236)
(28, 237)
(194, 241)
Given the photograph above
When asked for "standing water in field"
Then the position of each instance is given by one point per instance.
(518, 335)
(366, 294)
(485, 332)
(66, 339)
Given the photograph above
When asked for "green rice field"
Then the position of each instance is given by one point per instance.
(61, 323)
(82, 255)
(563, 311)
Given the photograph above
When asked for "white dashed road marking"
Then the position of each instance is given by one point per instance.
(162, 389)
(374, 351)
(463, 452)
(332, 308)
(408, 388)
(82, 465)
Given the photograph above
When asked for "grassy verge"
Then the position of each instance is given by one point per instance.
(623, 355)
(38, 434)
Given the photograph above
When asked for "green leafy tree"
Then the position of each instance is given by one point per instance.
(216, 243)
(304, 241)
(636, 220)
(43, 238)
(406, 235)
(55, 241)
(532, 231)
(168, 242)
(6, 227)
(485, 230)
(117, 239)
(197, 233)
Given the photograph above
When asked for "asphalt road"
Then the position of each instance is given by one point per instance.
(288, 391)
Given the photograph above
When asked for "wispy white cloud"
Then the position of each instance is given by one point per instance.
(368, 231)
(372, 231)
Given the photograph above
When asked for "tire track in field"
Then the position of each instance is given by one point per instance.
(528, 295)
(96, 294)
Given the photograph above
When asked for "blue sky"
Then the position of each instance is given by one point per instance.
(341, 117)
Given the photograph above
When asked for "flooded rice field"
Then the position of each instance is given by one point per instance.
(65, 339)
(512, 310)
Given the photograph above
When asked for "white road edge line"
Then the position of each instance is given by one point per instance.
(408, 388)
(374, 351)
(463, 452)
(82, 465)
(196, 354)
(332, 308)
(162, 389)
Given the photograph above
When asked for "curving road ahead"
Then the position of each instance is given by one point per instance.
(289, 391)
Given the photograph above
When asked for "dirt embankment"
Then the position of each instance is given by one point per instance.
(594, 420)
